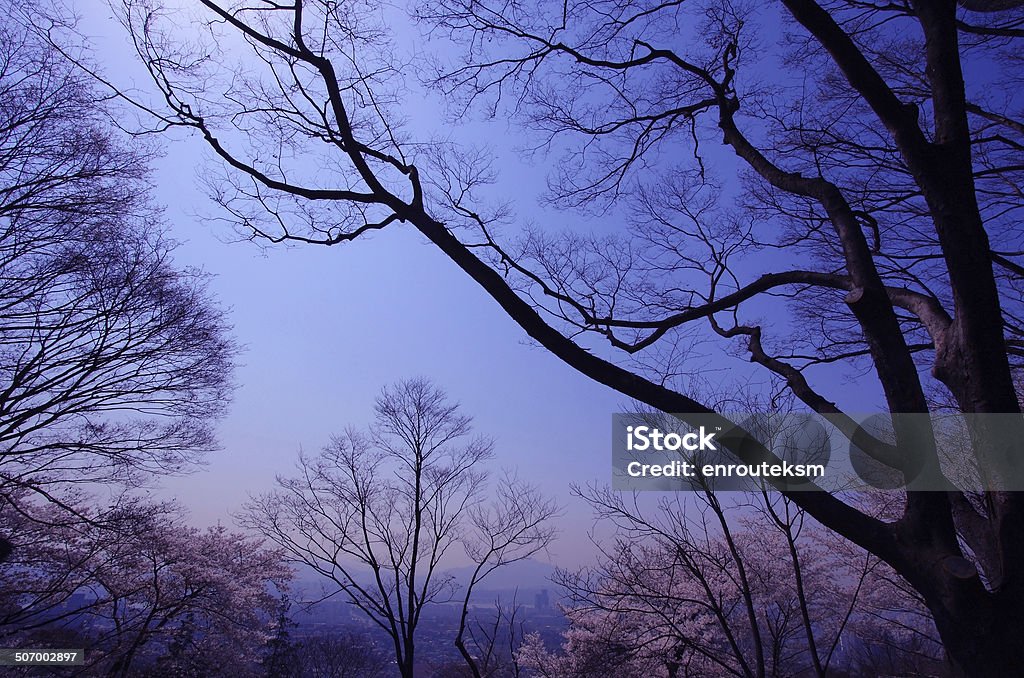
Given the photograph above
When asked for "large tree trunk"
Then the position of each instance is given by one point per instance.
(986, 639)
(982, 630)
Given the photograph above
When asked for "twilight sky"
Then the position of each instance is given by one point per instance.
(325, 328)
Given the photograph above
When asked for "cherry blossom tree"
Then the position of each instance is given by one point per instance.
(694, 588)
(141, 589)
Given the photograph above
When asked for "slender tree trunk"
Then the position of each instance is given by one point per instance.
(460, 642)
(409, 660)
(470, 662)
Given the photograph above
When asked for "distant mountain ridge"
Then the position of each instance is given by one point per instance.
(528, 576)
(529, 573)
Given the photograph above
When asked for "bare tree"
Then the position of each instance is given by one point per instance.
(113, 363)
(878, 144)
(378, 514)
(489, 642)
(513, 526)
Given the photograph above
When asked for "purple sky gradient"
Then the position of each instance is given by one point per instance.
(325, 328)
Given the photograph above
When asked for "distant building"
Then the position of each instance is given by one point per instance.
(542, 601)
